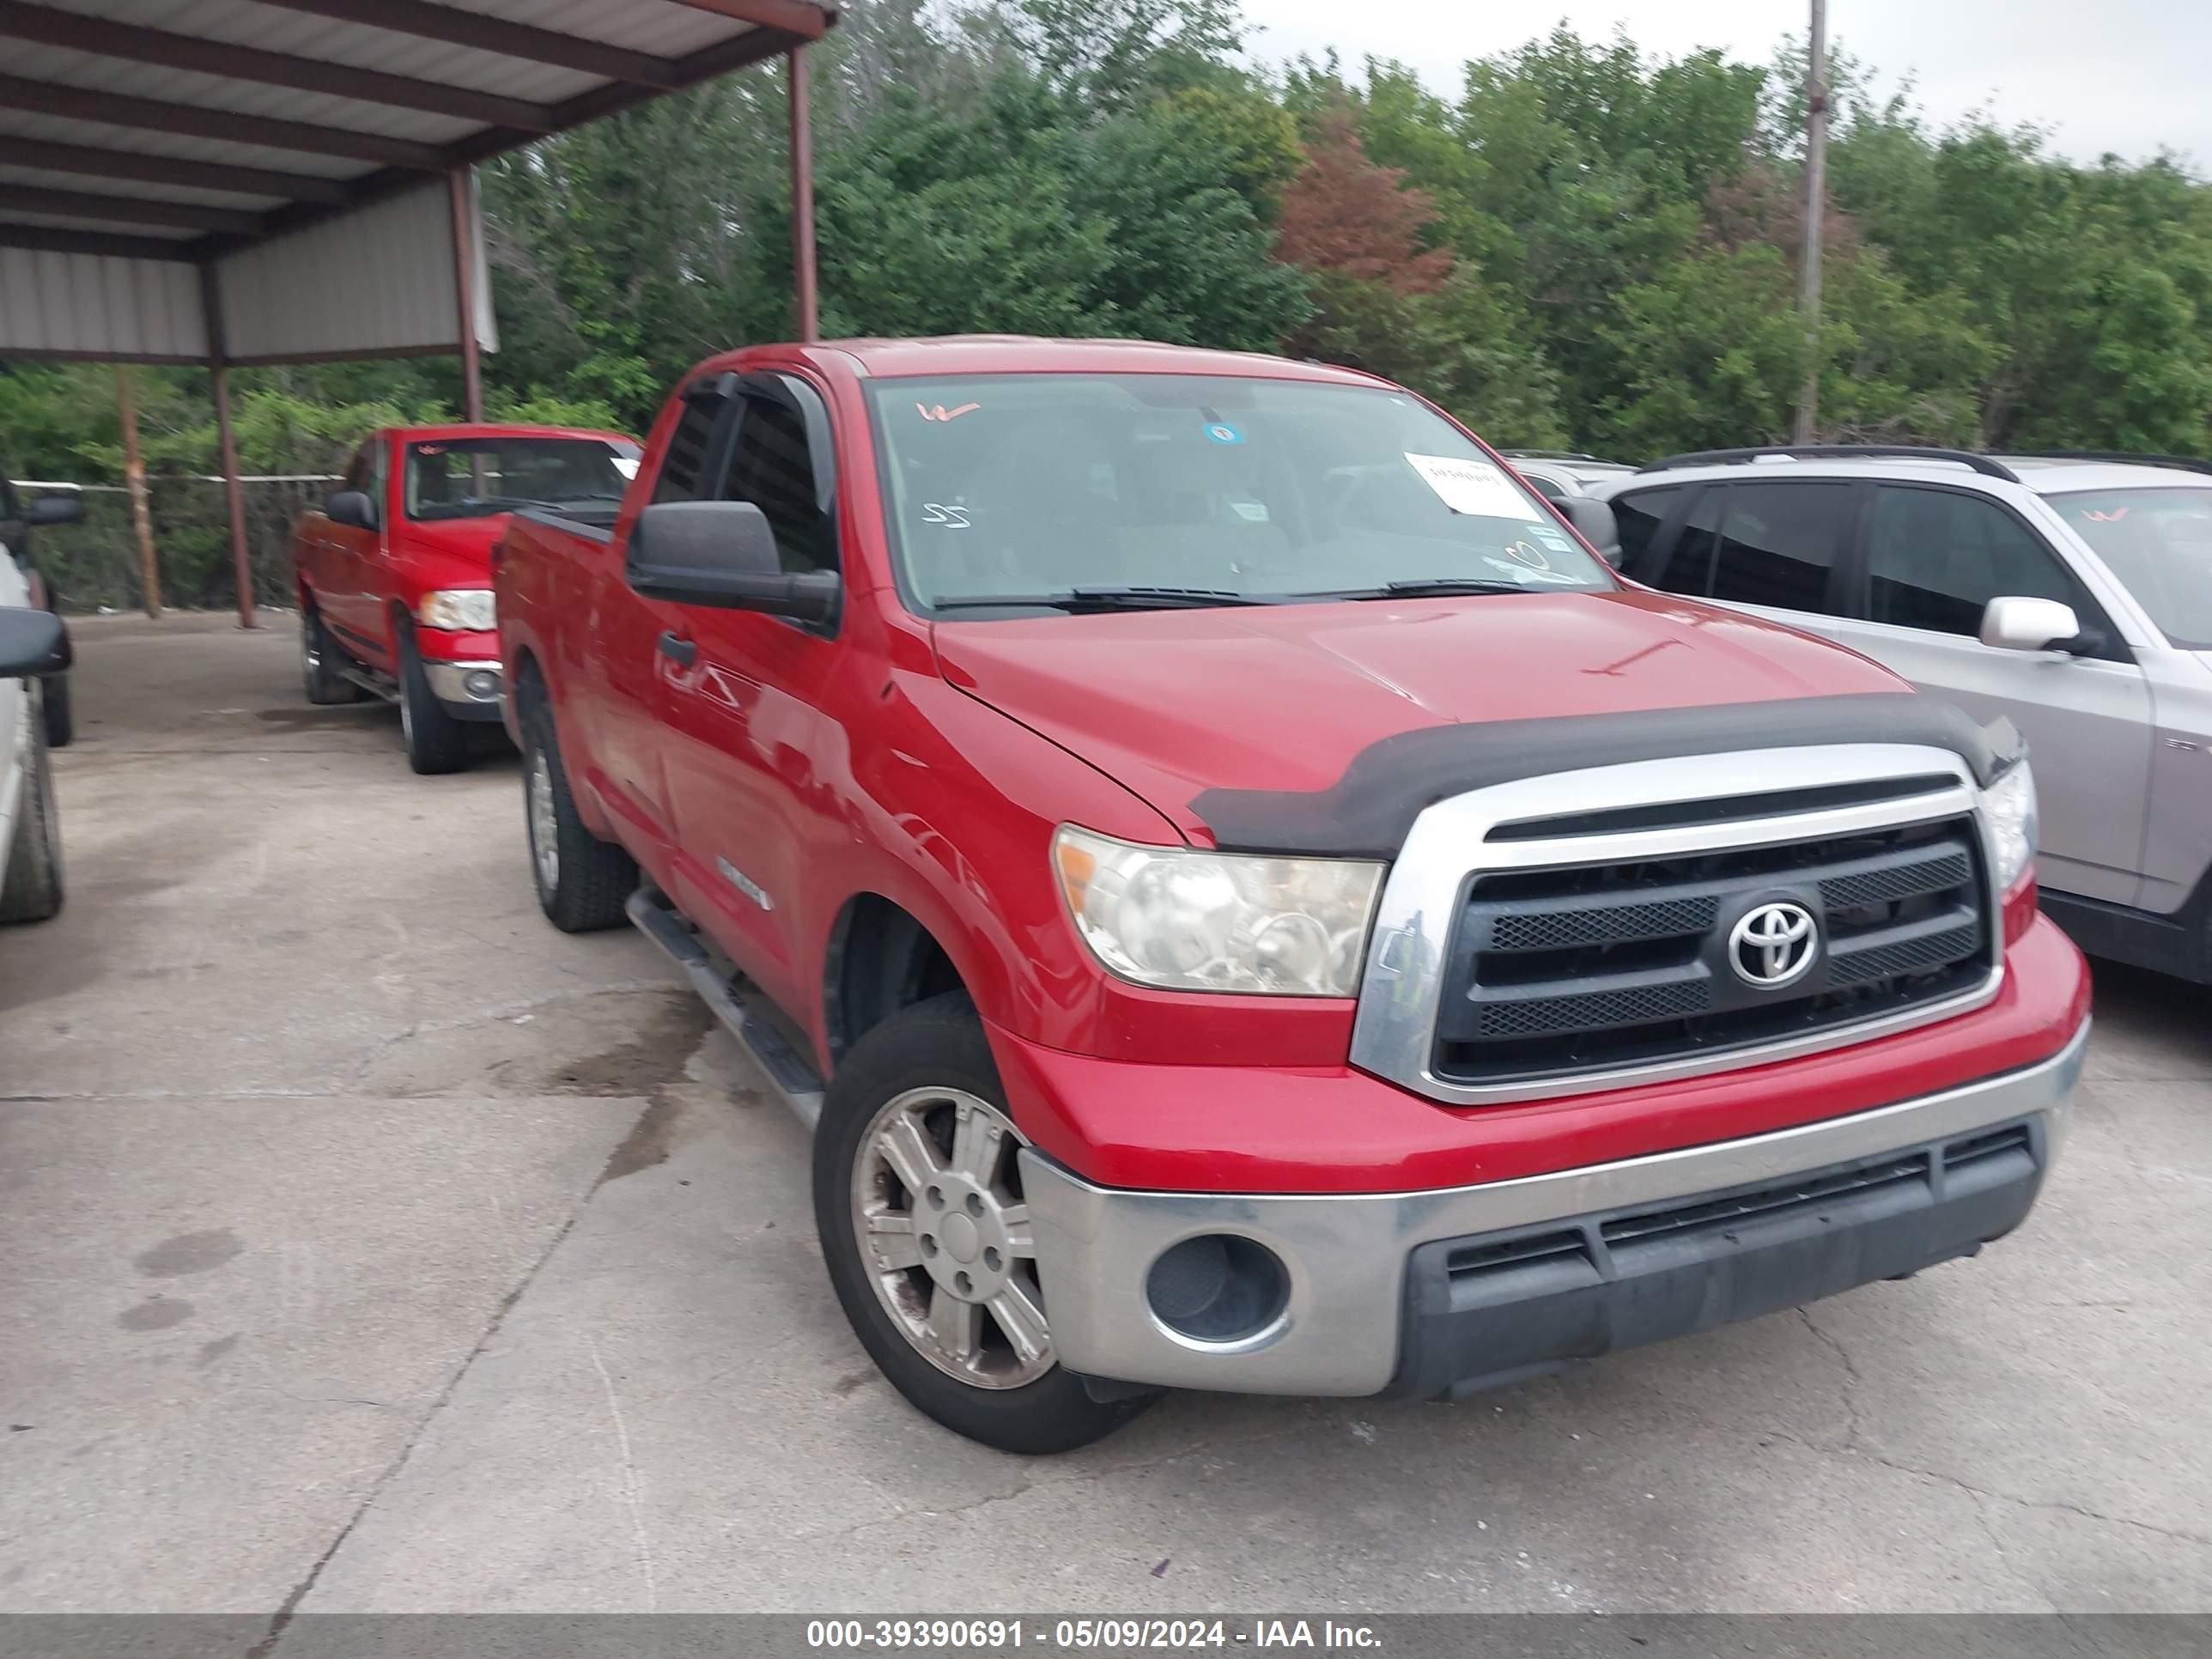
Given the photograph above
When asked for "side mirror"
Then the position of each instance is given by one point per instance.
(2012, 622)
(30, 642)
(722, 554)
(351, 506)
(55, 509)
(1594, 520)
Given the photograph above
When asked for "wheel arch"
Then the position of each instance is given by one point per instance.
(881, 957)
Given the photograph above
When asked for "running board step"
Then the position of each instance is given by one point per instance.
(786, 1070)
(377, 685)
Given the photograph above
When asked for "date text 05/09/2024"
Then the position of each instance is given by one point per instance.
(992, 1635)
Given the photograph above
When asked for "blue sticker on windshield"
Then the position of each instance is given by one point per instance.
(1222, 432)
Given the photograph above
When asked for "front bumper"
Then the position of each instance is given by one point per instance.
(471, 690)
(1446, 1290)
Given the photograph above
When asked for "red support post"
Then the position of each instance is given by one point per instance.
(464, 291)
(241, 555)
(802, 203)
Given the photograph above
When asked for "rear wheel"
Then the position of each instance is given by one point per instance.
(919, 1205)
(436, 741)
(31, 888)
(320, 663)
(582, 882)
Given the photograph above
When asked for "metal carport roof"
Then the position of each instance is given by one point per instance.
(230, 182)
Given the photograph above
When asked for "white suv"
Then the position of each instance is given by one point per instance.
(2070, 594)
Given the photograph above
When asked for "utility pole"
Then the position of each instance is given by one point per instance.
(1816, 205)
(134, 475)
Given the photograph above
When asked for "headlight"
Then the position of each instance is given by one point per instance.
(458, 610)
(1185, 921)
(2010, 803)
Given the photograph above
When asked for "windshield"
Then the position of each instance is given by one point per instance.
(2158, 543)
(473, 477)
(1220, 491)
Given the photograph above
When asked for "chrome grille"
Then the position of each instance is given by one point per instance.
(1557, 933)
(1586, 967)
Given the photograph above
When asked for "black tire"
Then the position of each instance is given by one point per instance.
(937, 1044)
(320, 661)
(588, 880)
(31, 887)
(61, 721)
(436, 741)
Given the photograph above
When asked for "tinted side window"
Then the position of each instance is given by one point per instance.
(688, 447)
(1639, 517)
(1935, 558)
(1777, 543)
(774, 469)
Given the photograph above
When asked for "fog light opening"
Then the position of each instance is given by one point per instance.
(1218, 1288)
(482, 683)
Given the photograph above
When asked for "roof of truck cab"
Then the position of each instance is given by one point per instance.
(1014, 354)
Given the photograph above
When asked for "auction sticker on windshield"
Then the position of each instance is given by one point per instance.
(1472, 487)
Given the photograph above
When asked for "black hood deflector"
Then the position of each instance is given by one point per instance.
(1367, 812)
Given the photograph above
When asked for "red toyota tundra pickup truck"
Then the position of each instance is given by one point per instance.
(395, 569)
(1247, 900)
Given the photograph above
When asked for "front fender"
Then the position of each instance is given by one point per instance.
(954, 806)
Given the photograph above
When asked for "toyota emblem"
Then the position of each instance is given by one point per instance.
(1772, 945)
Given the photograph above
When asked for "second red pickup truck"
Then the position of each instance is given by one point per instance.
(1247, 900)
(394, 571)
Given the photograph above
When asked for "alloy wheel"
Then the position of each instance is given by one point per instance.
(944, 1236)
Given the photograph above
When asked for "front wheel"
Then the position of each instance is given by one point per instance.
(61, 721)
(436, 741)
(918, 1203)
(31, 885)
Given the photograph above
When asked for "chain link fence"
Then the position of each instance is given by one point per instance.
(94, 566)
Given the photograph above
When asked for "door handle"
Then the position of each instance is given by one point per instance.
(674, 645)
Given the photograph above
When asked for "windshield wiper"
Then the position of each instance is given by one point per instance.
(1425, 587)
(1105, 599)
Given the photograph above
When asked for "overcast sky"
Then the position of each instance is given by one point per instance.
(2129, 76)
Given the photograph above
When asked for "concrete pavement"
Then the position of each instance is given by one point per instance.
(365, 1245)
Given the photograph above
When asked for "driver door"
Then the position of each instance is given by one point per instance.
(757, 766)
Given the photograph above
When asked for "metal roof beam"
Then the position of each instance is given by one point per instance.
(755, 45)
(752, 46)
(193, 121)
(169, 170)
(791, 16)
(55, 239)
(495, 35)
(104, 39)
(126, 209)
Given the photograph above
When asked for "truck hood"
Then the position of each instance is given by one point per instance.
(1175, 703)
(449, 552)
